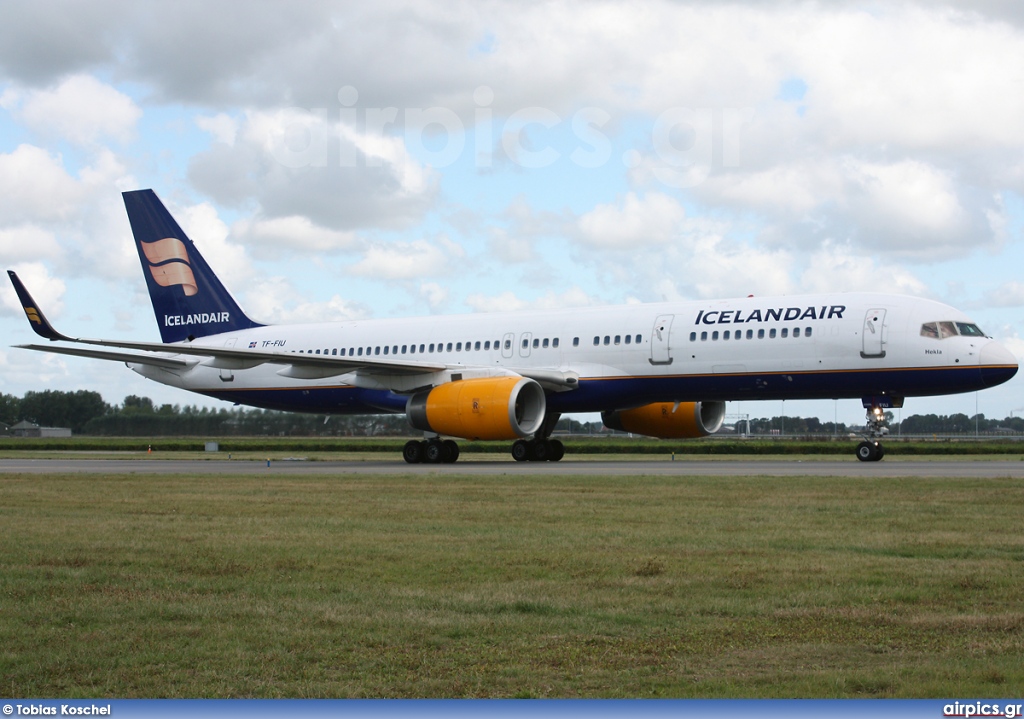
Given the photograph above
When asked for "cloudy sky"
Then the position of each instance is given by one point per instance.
(336, 160)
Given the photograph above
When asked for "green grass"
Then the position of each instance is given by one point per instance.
(434, 586)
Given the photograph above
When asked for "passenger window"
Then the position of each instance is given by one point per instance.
(508, 344)
(487, 345)
(704, 336)
(796, 331)
(421, 348)
(545, 344)
(449, 346)
(458, 347)
(575, 341)
(394, 350)
(554, 342)
(526, 343)
(785, 332)
(360, 351)
(618, 339)
(760, 334)
(807, 331)
(476, 346)
(693, 336)
(318, 351)
(334, 351)
(638, 339)
(771, 333)
(536, 343)
(607, 339)
(714, 335)
(750, 334)
(385, 349)
(376, 350)
(597, 341)
(629, 338)
(725, 335)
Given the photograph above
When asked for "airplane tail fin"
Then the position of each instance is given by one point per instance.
(188, 299)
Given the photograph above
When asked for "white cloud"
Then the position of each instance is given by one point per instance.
(635, 222)
(221, 126)
(46, 290)
(81, 110)
(408, 260)
(279, 235)
(509, 301)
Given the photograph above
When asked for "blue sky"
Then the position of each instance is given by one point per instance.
(335, 161)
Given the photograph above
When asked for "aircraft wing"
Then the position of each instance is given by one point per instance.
(165, 362)
(296, 365)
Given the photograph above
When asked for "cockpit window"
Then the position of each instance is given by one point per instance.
(969, 330)
(942, 330)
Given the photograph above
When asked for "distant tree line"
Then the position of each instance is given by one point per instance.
(86, 413)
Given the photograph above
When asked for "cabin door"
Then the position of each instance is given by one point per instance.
(661, 335)
(874, 335)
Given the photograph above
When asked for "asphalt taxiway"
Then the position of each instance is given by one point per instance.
(754, 467)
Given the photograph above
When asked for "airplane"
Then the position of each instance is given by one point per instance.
(662, 370)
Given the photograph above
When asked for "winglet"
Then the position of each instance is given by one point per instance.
(36, 318)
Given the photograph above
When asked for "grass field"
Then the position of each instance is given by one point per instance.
(433, 586)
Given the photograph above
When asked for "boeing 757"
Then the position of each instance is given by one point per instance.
(663, 370)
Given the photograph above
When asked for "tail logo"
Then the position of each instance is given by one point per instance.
(33, 315)
(169, 265)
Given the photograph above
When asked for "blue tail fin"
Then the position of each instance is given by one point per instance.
(188, 299)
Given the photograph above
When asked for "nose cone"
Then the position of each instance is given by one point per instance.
(997, 364)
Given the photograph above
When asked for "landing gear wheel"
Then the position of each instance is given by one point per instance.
(870, 451)
(413, 452)
(451, 451)
(538, 450)
(556, 450)
(434, 452)
(521, 450)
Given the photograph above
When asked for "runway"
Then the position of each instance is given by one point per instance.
(753, 467)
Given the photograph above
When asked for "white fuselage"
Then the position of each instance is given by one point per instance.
(810, 346)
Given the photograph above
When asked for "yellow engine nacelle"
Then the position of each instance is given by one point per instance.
(490, 408)
(668, 420)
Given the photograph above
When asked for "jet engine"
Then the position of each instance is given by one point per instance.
(668, 420)
(486, 408)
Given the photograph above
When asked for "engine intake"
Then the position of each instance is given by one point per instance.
(490, 408)
(666, 420)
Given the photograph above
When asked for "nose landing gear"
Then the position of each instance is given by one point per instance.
(875, 428)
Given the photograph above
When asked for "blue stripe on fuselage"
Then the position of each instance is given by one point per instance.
(596, 395)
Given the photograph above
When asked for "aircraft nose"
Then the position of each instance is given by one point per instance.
(997, 364)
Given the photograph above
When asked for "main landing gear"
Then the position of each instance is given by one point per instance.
(871, 449)
(431, 451)
(437, 451)
(541, 448)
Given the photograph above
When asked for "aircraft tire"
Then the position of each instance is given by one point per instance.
(556, 450)
(451, 451)
(539, 450)
(434, 452)
(413, 452)
(521, 450)
(869, 451)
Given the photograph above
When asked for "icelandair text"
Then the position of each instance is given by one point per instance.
(201, 318)
(779, 314)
